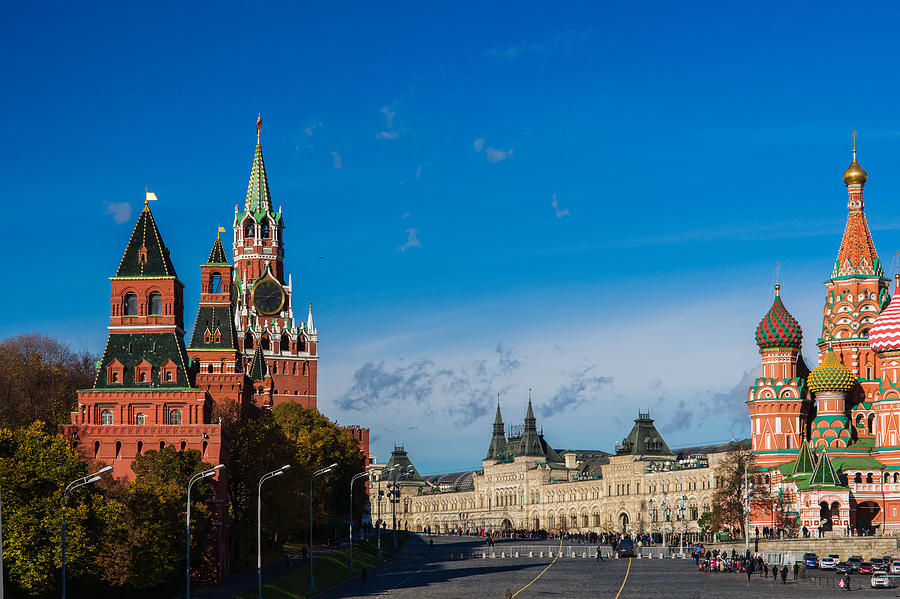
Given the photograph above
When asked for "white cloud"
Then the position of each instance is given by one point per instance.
(338, 161)
(389, 131)
(478, 144)
(418, 171)
(120, 211)
(559, 213)
(495, 155)
(311, 129)
(411, 241)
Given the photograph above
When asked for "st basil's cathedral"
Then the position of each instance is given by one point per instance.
(825, 441)
(248, 348)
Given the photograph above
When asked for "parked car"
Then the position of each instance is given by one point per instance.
(810, 560)
(865, 568)
(625, 548)
(895, 567)
(827, 563)
(881, 580)
(843, 568)
(855, 561)
(877, 563)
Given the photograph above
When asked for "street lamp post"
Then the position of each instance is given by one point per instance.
(353, 480)
(195, 478)
(84, 480)
(312, 581)
(380, 476)
(747, 487)
(394, 494)
(664, 505)
(650, 514)
(263, 479)
(681, 514)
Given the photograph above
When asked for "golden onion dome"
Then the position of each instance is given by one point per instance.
(830, 375)
(855, 175)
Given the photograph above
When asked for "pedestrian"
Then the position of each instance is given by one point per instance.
(766, 569)
(847, 578)
(784, 574)
(749, 571)
(774, 573)
(599, 553)
(431, 544)
(796, 569)
(364, 574)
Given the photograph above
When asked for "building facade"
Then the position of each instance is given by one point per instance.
(525, 484)
(825, 442)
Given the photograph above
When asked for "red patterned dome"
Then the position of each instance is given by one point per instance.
(885, 332)
(778, 328)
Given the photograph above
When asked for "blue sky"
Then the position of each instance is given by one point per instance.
(585, 201)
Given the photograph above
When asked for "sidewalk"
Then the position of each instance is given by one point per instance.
(240, 582)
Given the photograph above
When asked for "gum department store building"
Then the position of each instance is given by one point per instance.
(524, 483)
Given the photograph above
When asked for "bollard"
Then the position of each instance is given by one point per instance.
(541, 554)
(531, 554)
(460, 556)
(493, 555)
(484, 555)
(502, 554)
(584, 555)
(517, 554)
(550, 553)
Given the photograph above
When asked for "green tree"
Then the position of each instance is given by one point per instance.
(258, 445)
(35, 466)
(319, 443)
(39, 376)
(728, 500)
(144, 543)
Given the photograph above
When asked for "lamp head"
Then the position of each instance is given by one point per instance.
(277, 473)
(218, 467)
(208, 473)
(104, 469)
(285, 468)
(333, 466)
(93, 479)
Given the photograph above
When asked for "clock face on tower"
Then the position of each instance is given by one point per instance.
(268, 297)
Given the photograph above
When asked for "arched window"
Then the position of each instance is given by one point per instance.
(175, 417)
(140, 447)
(285, 344)
(264, 342)
(248, 230)
(265, 229)
(168, 376)
(248, 342)
(871, 423)
(106, 417)
(118, 449)
(215, 283)
(140, 419)
(162, 445)
(183, 446)
(142, 377)
(274, 367)
(96, 449)
(155, 304)
(209, 368)
(869, 478)
(131, 308)
(857, 478)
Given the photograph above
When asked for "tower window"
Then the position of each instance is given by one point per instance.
(143, 377)
(264, 342)
(248, 230)
(115, 377)
(155, 304)
(139, 419)
(131, 304)
(265, 229)
(215, 283)
(285, 344)
(248, 342)
(106, 417)
(169, 376)
(175, 417)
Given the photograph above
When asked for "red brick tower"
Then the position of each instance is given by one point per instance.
(143, 396)
(264, 316)
(214, 347)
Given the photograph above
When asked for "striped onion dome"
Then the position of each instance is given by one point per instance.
(778, 328)
(830, 375)
(885, 332)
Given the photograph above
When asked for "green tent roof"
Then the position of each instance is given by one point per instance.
(824, 475)
(804, 463)
(155, 262)
(258, 368)
(217, 255)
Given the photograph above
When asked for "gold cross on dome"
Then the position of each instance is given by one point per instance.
(854, 140)
(777, 267)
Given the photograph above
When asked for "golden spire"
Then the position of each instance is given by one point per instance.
(777, 286)
(259, 127)
(855, 175)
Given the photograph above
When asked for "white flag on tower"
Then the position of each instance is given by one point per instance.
(151, 197)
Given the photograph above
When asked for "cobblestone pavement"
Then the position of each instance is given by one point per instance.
(417, 576)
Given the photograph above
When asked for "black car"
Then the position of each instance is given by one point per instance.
(625, 548)
(843, 568)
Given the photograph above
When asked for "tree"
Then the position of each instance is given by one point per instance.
(144, 543)
(728, 500)
(38, 380)
(319, 443)
(257, 446)
(35, 466)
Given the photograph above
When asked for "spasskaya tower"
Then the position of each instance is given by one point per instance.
(264, 316)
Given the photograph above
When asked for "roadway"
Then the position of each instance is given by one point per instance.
(440, 574)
